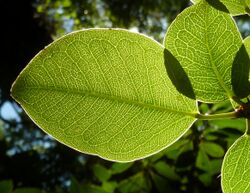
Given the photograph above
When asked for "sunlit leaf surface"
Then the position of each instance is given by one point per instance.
(205, 41)
(236, 167)
(234, 7)
(105, 92)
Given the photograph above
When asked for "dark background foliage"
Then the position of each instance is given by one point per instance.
(30, 158)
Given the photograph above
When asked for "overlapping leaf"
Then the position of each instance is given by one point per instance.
(205, 41)
(235, 7)
(240, 70)
(105, 92)
(236, 167)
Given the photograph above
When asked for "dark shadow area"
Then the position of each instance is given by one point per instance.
(177, 75)
(217, 5)
(240, 73)
(22, 38)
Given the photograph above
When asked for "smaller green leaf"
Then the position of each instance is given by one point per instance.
(134, 184)
(161, 184)
(212, 149)
(157, 156)
(102, 173)
(236, 167)
(28, 190)
(118, 168)
(89, 188)
(202, 161)
(223, 107)
(165, 170)
(109, 187)
(177, 148)
(239, 124)
(205, 178)
(205, 41)
(75, 187)
(210, 137)
(215, 166)
(6, 186)
(234, 7)
(210, 166)
(204, 108)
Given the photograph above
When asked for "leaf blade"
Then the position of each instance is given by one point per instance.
(200, 40)
(235, 167)
(235, 7)
(115, 99)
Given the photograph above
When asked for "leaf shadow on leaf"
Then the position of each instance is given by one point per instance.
(177, 75)
(218, 5)
(240, 73)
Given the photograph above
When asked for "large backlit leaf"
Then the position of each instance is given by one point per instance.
(105, 92)
(236, 167)
(235, 7)
(205, 41)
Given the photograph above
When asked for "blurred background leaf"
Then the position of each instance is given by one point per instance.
(6, 186)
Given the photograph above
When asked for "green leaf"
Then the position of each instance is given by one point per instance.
(118, 168)
(203, 161)
(239, 124)
(206, 179)
(205, 42)
(134, 184)
(161, 183)
(6, 186)
(237, 7)
(236, 167)
(28, 190)
(179, 147)
(102, 173)
(212, 149)
(90, 188)
(165, 170)
(215, 166)
(210, 168)
(75, 187)
(109, 187)
(105, 92)
(234, 7)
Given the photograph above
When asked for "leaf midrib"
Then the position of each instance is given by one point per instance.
(105, 96)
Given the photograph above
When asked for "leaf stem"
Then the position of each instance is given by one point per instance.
(229, 115)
